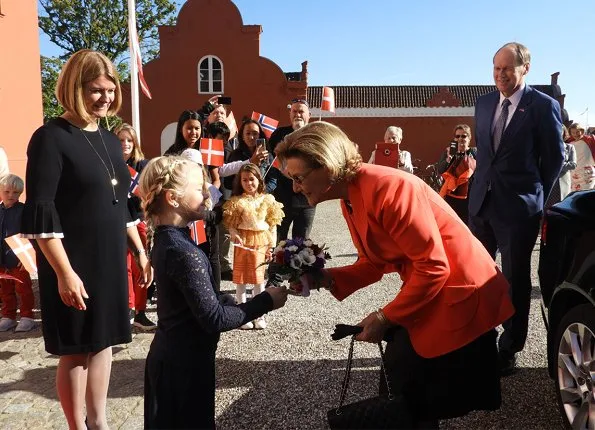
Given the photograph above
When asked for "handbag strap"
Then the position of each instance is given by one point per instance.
(347, 377)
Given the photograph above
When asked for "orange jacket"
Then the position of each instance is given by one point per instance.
(452, 290)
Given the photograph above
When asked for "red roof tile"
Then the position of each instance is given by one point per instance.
(404, 96)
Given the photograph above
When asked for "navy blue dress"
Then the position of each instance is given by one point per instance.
(180, 368)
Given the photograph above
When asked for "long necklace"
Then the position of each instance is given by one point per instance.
(112, 177)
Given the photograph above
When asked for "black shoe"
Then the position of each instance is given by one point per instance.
(227, 275)
(131, 315)
(141, 321)
(507, 364)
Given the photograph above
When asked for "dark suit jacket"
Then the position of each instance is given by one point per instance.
(528, 161)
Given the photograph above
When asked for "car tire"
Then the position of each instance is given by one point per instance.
(574, 355)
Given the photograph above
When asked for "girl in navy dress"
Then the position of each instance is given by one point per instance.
(180, 367)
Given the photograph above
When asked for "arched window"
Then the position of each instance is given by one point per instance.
(210, 75)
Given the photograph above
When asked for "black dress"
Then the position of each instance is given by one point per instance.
(180, 367)
(69, 196)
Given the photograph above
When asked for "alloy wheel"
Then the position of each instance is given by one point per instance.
(576, 375)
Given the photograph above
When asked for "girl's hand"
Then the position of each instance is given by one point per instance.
(279, 296)
(260, 154)
(268, 255)
(72, 291)
(213, 100)
(146, 276)
(374, 329)
(238, 240)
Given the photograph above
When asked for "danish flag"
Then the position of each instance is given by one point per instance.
(197, 231)
(212, 152)
(139, 61)
(230, 122)
(328, 99)
(134, 177)
(24, 251)
(268, 124)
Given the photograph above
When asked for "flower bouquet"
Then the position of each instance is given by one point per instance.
(294, 258)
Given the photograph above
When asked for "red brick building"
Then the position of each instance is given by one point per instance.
(201, 57)
(21, 111)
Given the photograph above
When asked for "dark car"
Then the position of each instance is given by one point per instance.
(567, 279)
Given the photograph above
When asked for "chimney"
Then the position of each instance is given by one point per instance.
(555, 78)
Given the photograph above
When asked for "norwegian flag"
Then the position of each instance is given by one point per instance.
(277, 163)
(136, 48)
(212, 152)
(134, 177)
(268, 124)
(230, 122)
(197, 231)
(328, 99)
(24, 251)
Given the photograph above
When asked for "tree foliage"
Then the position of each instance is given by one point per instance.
(50, 68)
(101, 25)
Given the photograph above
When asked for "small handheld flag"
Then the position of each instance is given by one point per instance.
(197, 231)
(24, 251)
(268, 124)
(212, 152)
(328, 99)
(134, 177)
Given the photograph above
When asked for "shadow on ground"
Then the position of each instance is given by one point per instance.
(268, 396)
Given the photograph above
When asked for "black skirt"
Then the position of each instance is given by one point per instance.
(447, 386)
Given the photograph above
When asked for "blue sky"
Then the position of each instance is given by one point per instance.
(426, 42)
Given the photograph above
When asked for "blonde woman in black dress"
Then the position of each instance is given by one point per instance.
(77, 186)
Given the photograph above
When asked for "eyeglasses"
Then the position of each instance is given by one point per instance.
(461, 136)
(299, 179)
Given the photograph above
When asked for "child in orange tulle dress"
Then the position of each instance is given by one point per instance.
(251, 217)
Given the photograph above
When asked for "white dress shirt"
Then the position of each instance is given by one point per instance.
(514, 99)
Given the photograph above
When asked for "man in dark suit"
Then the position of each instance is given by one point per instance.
(295, 205)
(518, 132)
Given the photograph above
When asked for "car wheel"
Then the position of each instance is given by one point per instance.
(575, 378)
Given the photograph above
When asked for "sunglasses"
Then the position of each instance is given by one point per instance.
(461, 136)
(302, 101)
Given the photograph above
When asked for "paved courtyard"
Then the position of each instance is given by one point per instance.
(284, 377)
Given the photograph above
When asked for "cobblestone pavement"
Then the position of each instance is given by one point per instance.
(286, 376)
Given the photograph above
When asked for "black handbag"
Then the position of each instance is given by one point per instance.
(380, 412)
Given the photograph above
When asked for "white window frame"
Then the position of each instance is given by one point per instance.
(210, 58)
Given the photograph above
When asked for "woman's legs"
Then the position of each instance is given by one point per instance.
(98, 375)
(83, 379)
(71, 383)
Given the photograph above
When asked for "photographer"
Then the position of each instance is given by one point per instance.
(457, 165)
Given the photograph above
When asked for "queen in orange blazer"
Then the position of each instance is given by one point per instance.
(452, 294)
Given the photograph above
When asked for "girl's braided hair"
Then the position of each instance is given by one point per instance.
(162, 174)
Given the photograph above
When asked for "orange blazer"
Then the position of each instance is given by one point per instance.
(452, 291)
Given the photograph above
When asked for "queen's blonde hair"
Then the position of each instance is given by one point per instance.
(81, 68)
(322, 144)
(161, 174)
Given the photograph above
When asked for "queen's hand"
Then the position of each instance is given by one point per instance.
(375, 325)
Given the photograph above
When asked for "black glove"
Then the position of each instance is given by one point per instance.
(275, 280)
(344, 330)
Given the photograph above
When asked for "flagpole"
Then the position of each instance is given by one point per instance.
(134, 105)
(267, 172)
(321, 101)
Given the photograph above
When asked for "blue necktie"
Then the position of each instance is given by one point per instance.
(500, 125)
